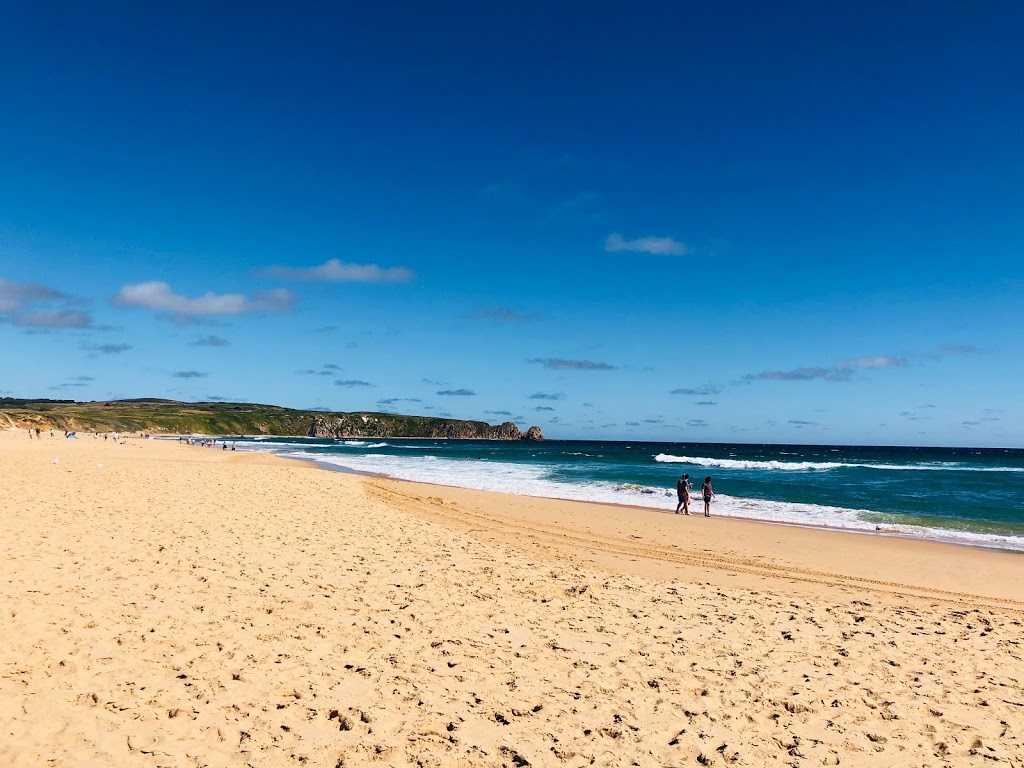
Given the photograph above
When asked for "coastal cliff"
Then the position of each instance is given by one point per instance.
(173, 417)
(384, 425)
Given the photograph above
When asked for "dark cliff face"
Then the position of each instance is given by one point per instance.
(368, 425)
(348, 427)
(507, 431)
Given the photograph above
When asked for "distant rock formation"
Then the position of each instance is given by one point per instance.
(533, 433)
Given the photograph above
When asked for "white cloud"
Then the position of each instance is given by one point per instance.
(337, 271)
(158, 296)
(661, 246)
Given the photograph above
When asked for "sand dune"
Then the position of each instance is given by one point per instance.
(165, 605)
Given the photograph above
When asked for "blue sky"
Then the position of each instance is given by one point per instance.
(796, 222)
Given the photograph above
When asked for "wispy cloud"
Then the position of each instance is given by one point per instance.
(108, 349)
(707, 389)
(706, 402)
(801, 374)
(14, 296)
(499, 413)
(158, 296)
(328, 369)
(958, 349)
(909, 416)
(800, 423)
(211, 341)
(561, 364)
(546, 396)
(879, 361)
(696, 423)
(21, 302)
(352, 383)
(190, 375)
(499, 313)
(457, 393)
(393, 400)
(543, 408)
(842, 371)
(337, 271)
(661, 246)
(586, 205)
(53, 319)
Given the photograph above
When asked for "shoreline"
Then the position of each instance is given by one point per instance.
(921, 549)
(877, 532)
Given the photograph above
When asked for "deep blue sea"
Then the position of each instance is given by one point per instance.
(965, 495)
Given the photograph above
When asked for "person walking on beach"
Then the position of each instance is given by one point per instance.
(683, 487)
(708, 495)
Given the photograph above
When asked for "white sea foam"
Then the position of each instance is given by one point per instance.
(533, 480)
(791, 466)
(810, 466)
(264, 443)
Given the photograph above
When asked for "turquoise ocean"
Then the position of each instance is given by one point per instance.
(972, 496)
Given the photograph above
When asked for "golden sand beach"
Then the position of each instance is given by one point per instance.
(168, 605)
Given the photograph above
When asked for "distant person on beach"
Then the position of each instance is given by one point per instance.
(683, 487)
(708, 495)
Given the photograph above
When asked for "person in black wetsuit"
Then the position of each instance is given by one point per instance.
(683, 487)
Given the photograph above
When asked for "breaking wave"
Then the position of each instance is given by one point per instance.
(820, 466)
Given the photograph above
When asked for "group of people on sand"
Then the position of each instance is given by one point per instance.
(683, 487)
(206, 443)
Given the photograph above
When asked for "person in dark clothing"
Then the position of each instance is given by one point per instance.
(683, 487)
(708, 495)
